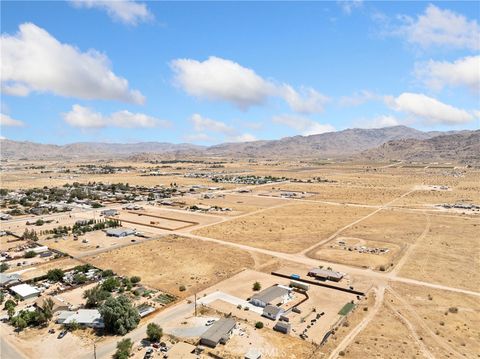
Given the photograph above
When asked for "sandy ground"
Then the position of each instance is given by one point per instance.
(289, 228)
(449, 254)
(170, 262)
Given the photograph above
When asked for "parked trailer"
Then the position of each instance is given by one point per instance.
(294, 276)
(300, 285)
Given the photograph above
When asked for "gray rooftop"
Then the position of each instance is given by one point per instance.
(326, 273)
(272, 310)
(270, 294)
(118, 232)
(7, 278)
(219, 329)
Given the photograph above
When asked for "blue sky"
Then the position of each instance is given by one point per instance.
(212, 72)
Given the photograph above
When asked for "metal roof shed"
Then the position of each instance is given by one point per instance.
(219, 332)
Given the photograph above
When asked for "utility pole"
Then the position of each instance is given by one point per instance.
(94, 350)
(195, 304)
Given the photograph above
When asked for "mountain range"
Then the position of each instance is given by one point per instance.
(389, 143)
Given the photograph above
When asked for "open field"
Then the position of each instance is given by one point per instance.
(448, 254)
(333, 252)
(289, 228)
(172, 261)
(344, 193)
(96, 241)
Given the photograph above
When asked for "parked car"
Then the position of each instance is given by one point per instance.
(62, 334)
(209, 322)
(51, 331)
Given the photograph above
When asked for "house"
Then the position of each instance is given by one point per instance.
(58, 305)
(9, 278)
(109, 212)
(272, 312)
(324, 274)
(275, 294)
(119, 232)
(84, 317)
(25, 291)
(283, 327)
(219, 332)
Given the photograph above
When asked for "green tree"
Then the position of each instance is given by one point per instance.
(3, 267)
(79, 278)
(95, 296)
(135, 279)
(154, 332)
(119, 315)
(10, 312)
(9, 303)
(124, 348)
(47, 308)
(257, 286)
(19, 323)
(110, 284)
(30, 254)
(259, 325)
(55, 275)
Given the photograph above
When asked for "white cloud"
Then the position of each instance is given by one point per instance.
(84, 117)
(199, 137)
(348, 5)
(358, 98)
(33, 60)
(201, 124)
(462, 72)
(3, 138)
(126, 11)
(303, 125)
(246, 137)
(379, 122)
(429, 109)
(309, 101)
(438, 27)
(224, 80)
(7, 121)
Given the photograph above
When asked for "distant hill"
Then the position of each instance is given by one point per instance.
(31, 150)
(457, 147)
(331, 144)
(342, 144)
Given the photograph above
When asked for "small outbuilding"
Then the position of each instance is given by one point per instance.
(283, 327)
(109, 212)
(119, 232)
(324, 274)
(219, 332)
(9, 279)
(272, 312)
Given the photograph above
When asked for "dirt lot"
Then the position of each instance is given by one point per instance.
(332, 192)
(334, 252)
(239, 203)
(165, 219)
(290, 228)
(448, 254)
(170, 262)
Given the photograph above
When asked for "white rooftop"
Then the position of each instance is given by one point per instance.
(24, 290)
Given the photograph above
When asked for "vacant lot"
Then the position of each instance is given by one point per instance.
(289, 229)
(449, 254)
(391, 226)
(173, 261)
(345, 193)
(449, 322)
(351, 253)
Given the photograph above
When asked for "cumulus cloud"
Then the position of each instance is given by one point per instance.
(358, 98)
(303, 125)
(33, 60)
(83, 117)
(308, 101)
(378, 122)
(224, 80)
(201, 124)
(441, 27)
(439, 74)
(126, 11)
(430, 110)
(348, 5)
(7, 121)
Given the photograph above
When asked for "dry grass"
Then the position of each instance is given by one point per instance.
(449, 254)
(172, 261)
(289, 229)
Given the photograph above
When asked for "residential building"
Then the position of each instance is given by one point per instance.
(272, 312)
(119, 232)
(84, 317)
(25, 291)
(219, 332)
(283, 327)
(272, 295)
